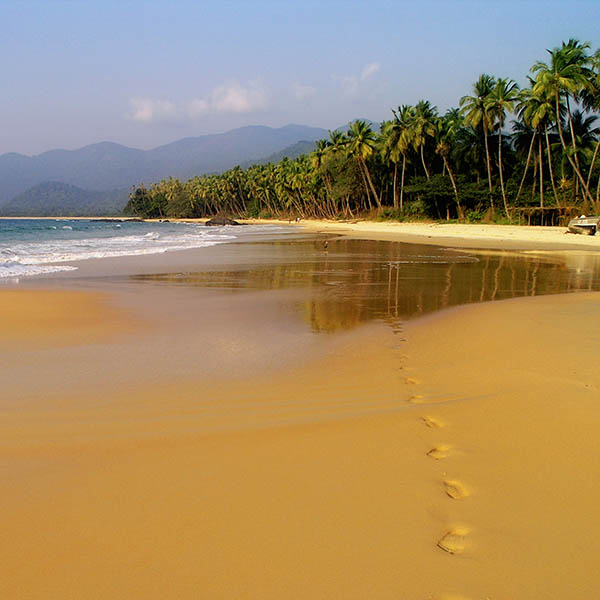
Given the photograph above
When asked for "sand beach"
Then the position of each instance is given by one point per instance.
(278, 419)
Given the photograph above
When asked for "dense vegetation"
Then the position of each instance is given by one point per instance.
(463, 164)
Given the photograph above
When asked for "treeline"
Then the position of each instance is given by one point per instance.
(504, 147)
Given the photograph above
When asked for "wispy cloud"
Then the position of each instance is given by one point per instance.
(147, 110)
(231, 98)
(303, 93)
(369, 70)
(351, 84)
(235, 98)
(348, 83)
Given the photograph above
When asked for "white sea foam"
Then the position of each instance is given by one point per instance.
(38, 256)
(34, 248)
(20, 270)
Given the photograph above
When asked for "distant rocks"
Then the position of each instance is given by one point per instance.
(220, 221)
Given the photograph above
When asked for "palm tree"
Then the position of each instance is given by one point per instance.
(537, 110)
(390, 152)
(422, 126)
(362, 142)
(586, 136)
(500, 100)
(590, 100)
(404, 117)
(566, 75)
(476, 113)
(446, 130)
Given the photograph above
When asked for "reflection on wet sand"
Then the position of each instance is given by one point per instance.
(354, 281)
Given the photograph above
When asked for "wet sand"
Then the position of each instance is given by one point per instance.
(451, 456)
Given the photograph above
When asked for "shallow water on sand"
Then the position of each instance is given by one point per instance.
(346, 282)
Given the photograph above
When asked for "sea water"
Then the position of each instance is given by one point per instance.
(37, 246)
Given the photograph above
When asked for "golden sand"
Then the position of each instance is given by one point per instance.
(57, 318)
(459, 235)
(323, 481)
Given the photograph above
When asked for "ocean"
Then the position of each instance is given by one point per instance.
(38, 246)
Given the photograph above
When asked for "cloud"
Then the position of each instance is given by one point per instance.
(351, 84)
(148, 110)
(303, 93)
(369, 70)
(348, 83)
(232, 98)
(198, 108)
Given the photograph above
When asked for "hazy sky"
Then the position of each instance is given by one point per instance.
(143, 73)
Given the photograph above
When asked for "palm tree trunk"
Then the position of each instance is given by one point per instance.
(576, 170)
(550, 168)
(362, 172)
(371, 184)
(526, 166)
(423, 161)
(458, 206)
(402, 183)
(395, 185)
(541, 177)
(489, 166)
(593, 163)
(500, 170)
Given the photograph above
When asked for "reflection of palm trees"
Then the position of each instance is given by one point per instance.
(358, 281)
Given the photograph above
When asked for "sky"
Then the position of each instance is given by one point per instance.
(145, 73)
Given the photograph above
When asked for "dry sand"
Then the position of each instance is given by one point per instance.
(457, 459)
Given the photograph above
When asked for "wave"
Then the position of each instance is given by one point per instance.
(32, 248)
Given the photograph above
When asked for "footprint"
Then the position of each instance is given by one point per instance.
(432, 422)
(455, 489)
(439, 452)
(417, 399)
(411, 381)
(453, 542)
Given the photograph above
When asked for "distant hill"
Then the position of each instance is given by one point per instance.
(55, 199)
(109, 166)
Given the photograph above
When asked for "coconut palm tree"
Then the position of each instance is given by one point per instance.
(566, 75)
(536, 110)
(362, 142)
(403, 117)
(445, 134)
(477, 114)
(422, 126)
(500, 100)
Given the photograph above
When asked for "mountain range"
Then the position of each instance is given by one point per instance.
(102, 174)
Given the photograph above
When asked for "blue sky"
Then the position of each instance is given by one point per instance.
(144, 73)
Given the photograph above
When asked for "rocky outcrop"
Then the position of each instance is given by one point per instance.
(221, 221)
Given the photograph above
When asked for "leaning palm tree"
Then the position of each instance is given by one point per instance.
(567, 75)
(500, 100)
(362, 142)
(537, 111)
(477, 114)
(590, 100)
